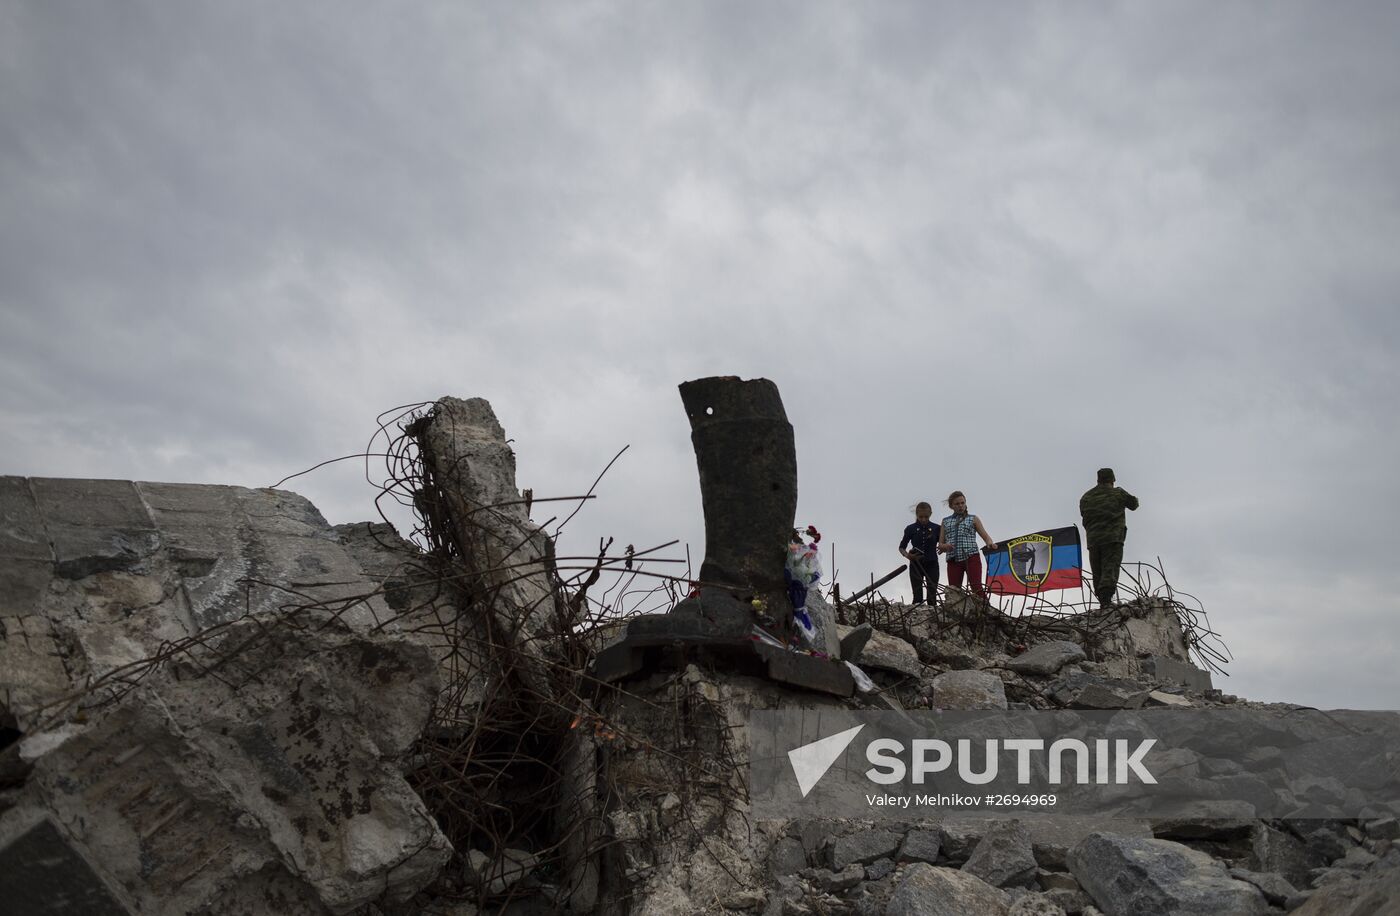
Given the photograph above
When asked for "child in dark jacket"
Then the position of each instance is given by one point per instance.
(921, 538)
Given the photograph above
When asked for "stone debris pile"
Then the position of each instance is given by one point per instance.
(213, 702)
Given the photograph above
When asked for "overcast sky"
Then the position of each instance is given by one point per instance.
(989, 247)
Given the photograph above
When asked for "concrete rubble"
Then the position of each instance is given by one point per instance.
(266, 778)
(213, 702)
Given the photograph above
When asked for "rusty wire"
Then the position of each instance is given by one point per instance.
(1063, 613)
(490, 765)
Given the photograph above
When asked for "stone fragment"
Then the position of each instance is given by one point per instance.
(1047, 658)
(748, 899)
(832, 882)
(1383, 828)
(967, 690)
(948, 654)
(958, 837)
(1004, 857)
(1133, 875)
(853, 642)
(885, 652)
(1369, 897)
(879, 869)
(1273, 850)
(1080, 690)
(1323, 877)
(920, 846)
(927, 890)
(1274, 887)
(1055, 880)
(1072, 902)
(1052, 838)
(1172, 700)
(1035, 905)
(863, 848)
(787, 857)
(1329, 843)
(1356, 859)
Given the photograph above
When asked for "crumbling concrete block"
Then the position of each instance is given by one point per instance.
(1164, 670)
(927, 890)
(1133, 875)
(1047, 658)
(967, 690)
(253, 762)
(885, 652)
(287, 765)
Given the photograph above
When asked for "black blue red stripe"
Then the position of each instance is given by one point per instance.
(1038, 562)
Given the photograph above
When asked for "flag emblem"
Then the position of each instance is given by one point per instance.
(1030, 559)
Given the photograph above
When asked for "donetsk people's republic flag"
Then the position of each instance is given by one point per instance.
(1034, 563)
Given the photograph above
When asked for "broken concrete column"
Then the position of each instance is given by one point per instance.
(509, 560)
(748, 481)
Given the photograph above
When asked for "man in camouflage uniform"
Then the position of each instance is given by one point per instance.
(1105, 528)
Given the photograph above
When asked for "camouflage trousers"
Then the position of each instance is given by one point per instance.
(1106, 558)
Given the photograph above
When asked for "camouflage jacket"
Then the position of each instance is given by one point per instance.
(1102, 511)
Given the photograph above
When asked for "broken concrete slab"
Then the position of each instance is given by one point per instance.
(863, 848)
(1370, 896)
(1081, 690)
(1004, 857)
(927, 890)
(1161, 698)
(1163, 670)
(884, 652)
(967, 690)
(1275, 888)
(853, 642)
(94, 525)
(1134, 875)
(920, 846)
(138, 566)
(1047, 658)
(287, 765)
(715, 625)
(1147, 626)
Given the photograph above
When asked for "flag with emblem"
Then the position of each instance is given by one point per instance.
(1034, 563)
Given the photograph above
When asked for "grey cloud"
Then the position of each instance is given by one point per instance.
(989, 248)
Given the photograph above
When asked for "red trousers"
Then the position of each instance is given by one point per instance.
(973, 567)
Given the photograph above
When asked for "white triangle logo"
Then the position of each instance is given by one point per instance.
(811, 761)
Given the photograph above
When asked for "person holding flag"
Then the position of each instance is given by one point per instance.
(959, 542)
